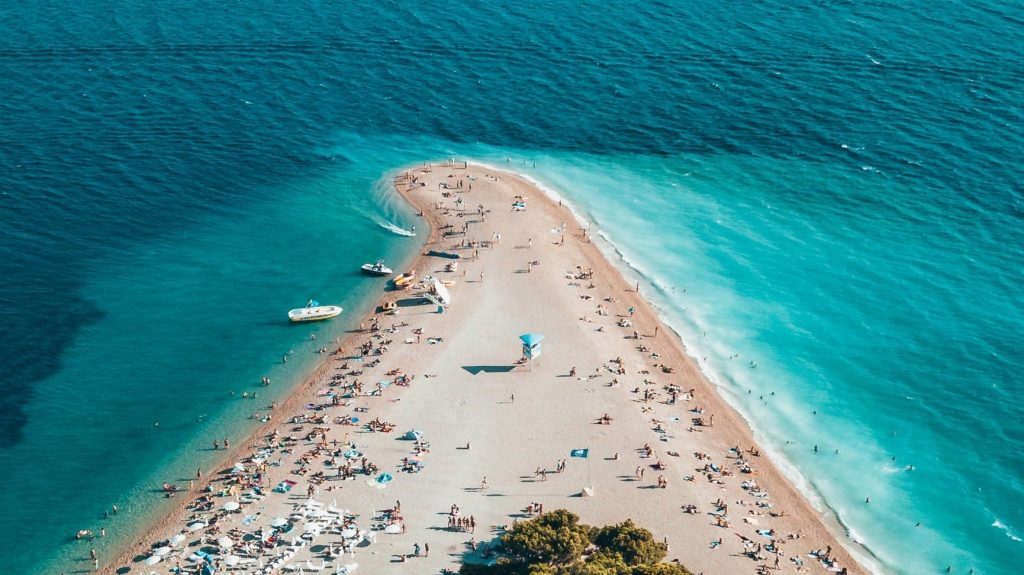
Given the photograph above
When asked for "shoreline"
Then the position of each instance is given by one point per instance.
(293, 400)
(649, 317)
(797, 480)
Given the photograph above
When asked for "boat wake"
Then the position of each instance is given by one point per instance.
(397, 230)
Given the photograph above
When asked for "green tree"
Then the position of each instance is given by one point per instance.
(634, 544)
(555, 544)
(556, 537)
(661, 569)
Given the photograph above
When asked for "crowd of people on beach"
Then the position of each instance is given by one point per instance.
(323, 444)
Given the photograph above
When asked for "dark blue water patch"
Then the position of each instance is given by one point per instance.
(42, 315)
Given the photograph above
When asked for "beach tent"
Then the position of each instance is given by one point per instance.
(413, 434)
(442, 292)
(531, 345)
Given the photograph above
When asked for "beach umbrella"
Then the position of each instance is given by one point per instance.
(225, 542)
(352, 454)
(413, 434)
(177, 539)
(384, 478)
(231, 506)
(196, 526)
(153, 560)
(161, 551)
(232, 560)
(279, 522)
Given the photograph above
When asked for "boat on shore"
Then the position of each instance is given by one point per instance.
(376, 269)
(404, 280)
(314, 312)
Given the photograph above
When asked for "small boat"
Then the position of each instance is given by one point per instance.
(314, 312)
(376, 269)
(449, 255)
(405, 280)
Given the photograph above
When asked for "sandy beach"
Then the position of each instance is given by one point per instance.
(428, 430)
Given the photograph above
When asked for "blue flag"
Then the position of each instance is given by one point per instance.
(579, 453)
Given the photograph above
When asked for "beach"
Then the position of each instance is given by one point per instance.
(429, 428)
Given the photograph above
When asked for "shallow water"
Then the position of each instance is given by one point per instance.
(827, 191)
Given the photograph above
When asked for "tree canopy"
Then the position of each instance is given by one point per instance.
(556, 543)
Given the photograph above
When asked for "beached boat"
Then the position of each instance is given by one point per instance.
(449, 255)
(314, 312)
(376, 269)
(405, 280)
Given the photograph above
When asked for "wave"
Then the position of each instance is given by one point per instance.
(1009, 532)
(396, 229)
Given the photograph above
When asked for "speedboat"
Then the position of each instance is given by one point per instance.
(376, 269)
(314, 312)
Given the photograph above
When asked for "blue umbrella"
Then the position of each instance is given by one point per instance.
(384, 478)
(531, 339)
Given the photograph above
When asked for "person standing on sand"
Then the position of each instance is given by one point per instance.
(481, 277)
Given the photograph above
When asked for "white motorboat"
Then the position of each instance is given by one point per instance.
(376, 269)
(314, 312)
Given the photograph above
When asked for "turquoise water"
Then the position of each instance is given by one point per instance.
(828, 191)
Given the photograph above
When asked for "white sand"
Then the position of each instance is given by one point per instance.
(551, 414)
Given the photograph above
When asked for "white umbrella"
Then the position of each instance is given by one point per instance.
(232, 560)
(177, 539)
(196, 526)
(162, 551)
(153, 560)
(231, 506)
(393, 529)
(226, 542)
(279, 522)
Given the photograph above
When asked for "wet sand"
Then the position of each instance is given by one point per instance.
(489, 425)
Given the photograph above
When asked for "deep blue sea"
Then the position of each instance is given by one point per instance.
(829, 191)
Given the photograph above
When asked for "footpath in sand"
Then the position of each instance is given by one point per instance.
(424, 433)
